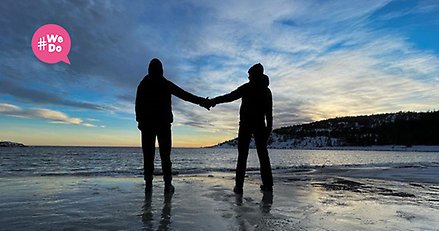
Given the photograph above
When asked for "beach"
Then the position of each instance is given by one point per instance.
(327, 198)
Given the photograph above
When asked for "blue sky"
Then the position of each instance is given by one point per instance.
(324, 59)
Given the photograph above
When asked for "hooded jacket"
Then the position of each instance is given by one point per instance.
(257, 103)
(154, 94)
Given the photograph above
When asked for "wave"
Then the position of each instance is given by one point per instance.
(136, 172)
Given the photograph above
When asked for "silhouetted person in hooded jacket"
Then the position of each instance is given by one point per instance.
(154, 117)
(256, 118)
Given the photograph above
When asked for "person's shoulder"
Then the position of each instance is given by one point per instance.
(245, 85)
(143, 81)
(167, 82)
(243, 88)
(164, 79)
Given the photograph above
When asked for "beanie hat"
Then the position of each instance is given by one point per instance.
(256, 69)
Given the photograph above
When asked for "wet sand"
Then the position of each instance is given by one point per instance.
(314, 199)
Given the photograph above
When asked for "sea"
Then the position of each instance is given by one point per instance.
(128, 161)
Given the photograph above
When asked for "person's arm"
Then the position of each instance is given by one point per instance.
(269, 112)
(186, 96)
(138, 104)
(232, 96)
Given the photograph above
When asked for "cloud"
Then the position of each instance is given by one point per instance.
(45, 114)
(8, 108)
(102, 42)
(41, 97)
(324, 58)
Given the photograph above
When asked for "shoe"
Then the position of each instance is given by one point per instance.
(169, 188)
(266, 188)
(238, 190)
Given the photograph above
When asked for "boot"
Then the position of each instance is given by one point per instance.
(265, 188)
(238, 190)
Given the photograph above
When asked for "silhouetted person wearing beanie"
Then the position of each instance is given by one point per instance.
(256, 118)
(154, 117)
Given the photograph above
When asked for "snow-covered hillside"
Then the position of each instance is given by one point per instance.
(392, 129)
(10, 144)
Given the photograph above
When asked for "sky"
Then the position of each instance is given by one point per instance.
(324, 59)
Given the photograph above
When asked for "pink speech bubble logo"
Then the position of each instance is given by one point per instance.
(51, 44)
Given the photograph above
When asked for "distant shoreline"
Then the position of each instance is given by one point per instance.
(11, 144)
(398, 148)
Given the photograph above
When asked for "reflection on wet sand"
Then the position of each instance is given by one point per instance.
(148, 211)
(248, 215)
(165, 220)
(148, 216)
(266, 202)
(238, 199)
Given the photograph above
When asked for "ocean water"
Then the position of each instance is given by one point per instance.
(126, 161)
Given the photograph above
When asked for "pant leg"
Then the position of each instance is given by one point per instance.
(264, 159)
(148, 148)
(244, 136)
(165, 143)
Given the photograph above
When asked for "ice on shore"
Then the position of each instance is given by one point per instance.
(316, 199)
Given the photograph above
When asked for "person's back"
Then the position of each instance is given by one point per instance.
(256, 101)
(153, 102)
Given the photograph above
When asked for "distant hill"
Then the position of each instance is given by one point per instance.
(11, 144)
(402, 128)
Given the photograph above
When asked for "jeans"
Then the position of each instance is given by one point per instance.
(244, 136)
(163, 134)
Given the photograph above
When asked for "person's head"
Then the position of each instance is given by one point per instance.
(155, 67)
(256, 70)
(256, 75)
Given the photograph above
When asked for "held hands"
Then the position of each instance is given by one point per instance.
(208, 103)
